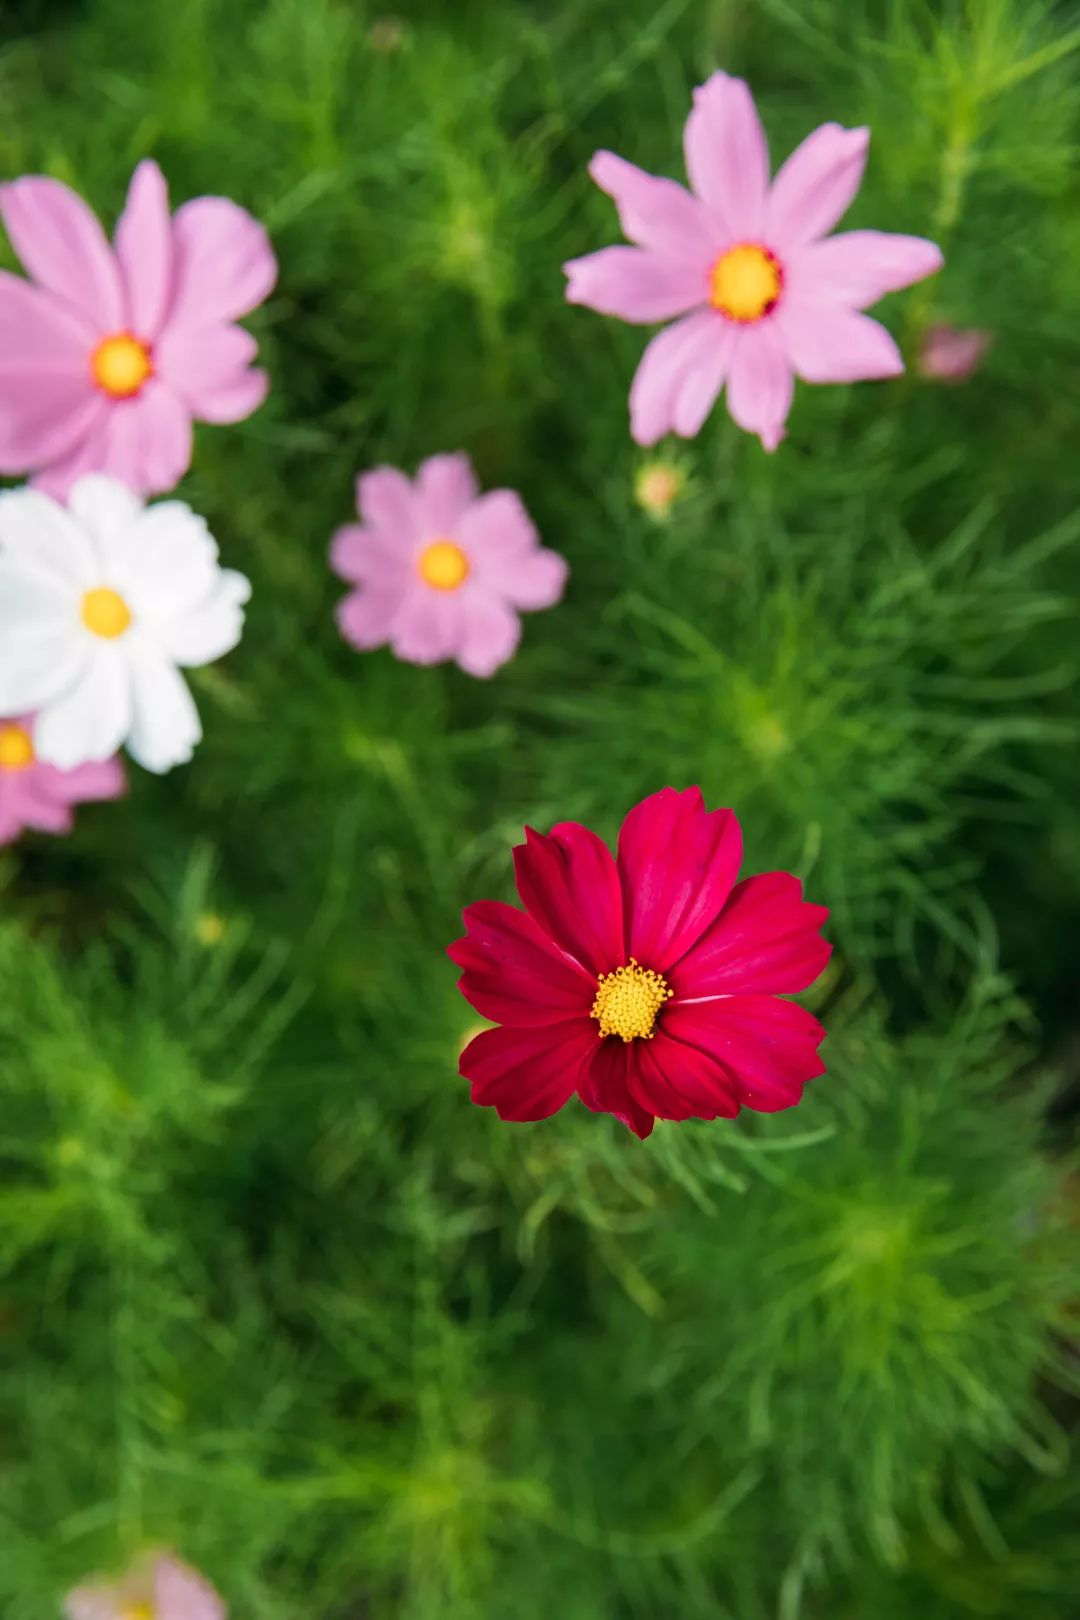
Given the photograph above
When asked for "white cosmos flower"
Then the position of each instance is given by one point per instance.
(101, 604)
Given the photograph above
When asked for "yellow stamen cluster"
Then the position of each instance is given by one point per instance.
(138, 1611)
(443, 565)
(657, 487)
(16, 748)
(105, 613)
(745, 282)
(628, 1000)
(120, 365)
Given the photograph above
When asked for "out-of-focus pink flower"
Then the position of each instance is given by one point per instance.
(758, 296)
(441, 572)
(38, 797)
(650, 984)
(107, 354)
(952, 353)
(157, 1588)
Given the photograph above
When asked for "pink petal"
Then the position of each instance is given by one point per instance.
(12, 825)
(39, 332)
(86, 455)
(816, 185)
(102, 1601)
(527, 1073)
(657, 214)
(63, 247)
(97, 781)
(445, 485)
(727, 157)
(148, 440)
(504, 551)
(677, 1081)
(767, 938)
(635, 285)
(38, 808)
(857, 268)
(365, 617)
(234, 401)
(369, 555)
(604, 1086)
(677, 865)
(490, 633)
(676, 372)
(513, 973)
(144, 249)
(224, 265)
(386, 500)
(569, 885)
(767, 1045)
(761, 384)
(951, 354)
(182, 1594)
(197, 361)
(428, 626)
(45, 418)
(826, 345)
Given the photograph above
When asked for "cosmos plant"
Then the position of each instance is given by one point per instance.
(109, 353)
(650, 984)
(758, 292)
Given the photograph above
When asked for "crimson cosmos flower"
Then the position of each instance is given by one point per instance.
(650, 984)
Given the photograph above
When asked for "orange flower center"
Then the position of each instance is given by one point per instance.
(121, 364)
(628, 1000)
(16, 748)
(443, 565)
(745, 282)
(105, 613)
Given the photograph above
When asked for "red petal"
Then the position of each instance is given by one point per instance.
(679, 1081)
(767, 938)
(768, 1046)
(569, 885)
(512, 973)
(527, 1073)
(603, 1086)
(677, 863)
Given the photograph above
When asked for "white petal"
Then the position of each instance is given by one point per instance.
(34, 603)
(210, 629)
(90, 720)
(36, 530)
(103, 506)
(172, 562)
(166, 725)
(33, 673)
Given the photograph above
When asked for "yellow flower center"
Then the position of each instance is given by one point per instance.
(138, 1611)
(105, 613)
(16, 749)
(745, 282)
(658, 488)
(121, 364)
(628, 1000)
(443, 565)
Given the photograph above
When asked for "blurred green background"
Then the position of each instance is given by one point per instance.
(272, 1291)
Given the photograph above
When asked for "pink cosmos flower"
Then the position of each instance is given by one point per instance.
(441, 571)
(107, 354)
(649, 984)
(760, 296)
(953, 353)
(38, 797)
(158, 1588)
